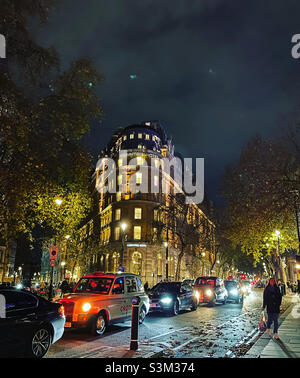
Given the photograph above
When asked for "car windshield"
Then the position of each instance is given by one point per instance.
(97, 285)
(230, 284)
(166, 286)
(205, 281)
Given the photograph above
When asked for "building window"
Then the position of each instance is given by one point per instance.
(155, 180)
(147, 136)
(140, 135)
(140, 146)
(132, 136)
(117, 233)
(118, 196)
(156, 162)
(125, 137)
(138, 178)
(155, 214)
(118, 214)
(120, 162)
(137, 232)
(120, 180)
(139, 160)
(137, 213)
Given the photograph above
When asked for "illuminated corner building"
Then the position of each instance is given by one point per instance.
(144, 250)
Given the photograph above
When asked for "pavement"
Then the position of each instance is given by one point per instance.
(288, 345)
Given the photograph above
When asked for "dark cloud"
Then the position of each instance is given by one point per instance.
(214, 72)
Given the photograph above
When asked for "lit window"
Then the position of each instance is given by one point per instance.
(139, 160)
(118, 196)
(138, 178)
(156, 162)
(120, 161)
(155, 214)
(131, 136)
(147, 136)
(140, 135)
(117, 233)
(119, 179)
(118, 214)
(137, 213)
(140, 146)
(156, 180)
(137, 232)
(124, 137)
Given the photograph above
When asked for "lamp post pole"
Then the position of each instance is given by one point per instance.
(167, 256)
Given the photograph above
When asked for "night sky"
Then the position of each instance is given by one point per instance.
(215, 72)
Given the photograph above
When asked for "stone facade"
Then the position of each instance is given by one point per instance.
(144, 250)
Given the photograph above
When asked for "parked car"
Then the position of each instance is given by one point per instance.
(100, 299)
(171, 297)
(234, 291)
(188, 282)
(210, 290)
(31, 324)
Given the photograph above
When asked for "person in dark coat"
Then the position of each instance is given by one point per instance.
(65, 287)
(272, 301)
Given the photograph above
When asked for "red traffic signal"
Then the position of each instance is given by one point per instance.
(53, 252)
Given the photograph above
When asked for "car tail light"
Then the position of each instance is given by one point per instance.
(61, 310)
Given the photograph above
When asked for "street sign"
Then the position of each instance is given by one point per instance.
(52, 262)
(53, 252)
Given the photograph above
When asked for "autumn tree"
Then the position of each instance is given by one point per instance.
(44, 113)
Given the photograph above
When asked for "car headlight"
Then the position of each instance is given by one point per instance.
(208, 292)
(86, 307)
(166, 300)
(234, 292)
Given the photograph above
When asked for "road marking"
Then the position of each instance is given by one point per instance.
(167, 333)
(186, 343)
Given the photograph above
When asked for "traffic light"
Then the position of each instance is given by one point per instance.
(53, 252)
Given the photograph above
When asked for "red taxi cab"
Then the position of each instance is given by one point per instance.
(100, 299)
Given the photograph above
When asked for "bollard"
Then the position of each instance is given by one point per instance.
(135, 323)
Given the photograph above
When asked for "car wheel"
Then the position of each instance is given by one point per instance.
(99, 325)
(175, 309)
(142, 315)
(40, 343)
(194, 306)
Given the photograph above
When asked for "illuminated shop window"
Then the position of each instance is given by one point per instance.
(140, 135)
(131, 136)
(138, 178)
(147, 136)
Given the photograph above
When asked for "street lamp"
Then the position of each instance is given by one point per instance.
(166, 244)
(58, 201)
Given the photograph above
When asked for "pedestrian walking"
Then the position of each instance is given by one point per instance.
(271, 301)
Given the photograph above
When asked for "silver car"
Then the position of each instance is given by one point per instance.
(100, 299)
